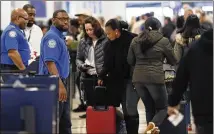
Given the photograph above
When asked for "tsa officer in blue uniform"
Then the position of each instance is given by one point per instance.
(15, 51)
(54, 60)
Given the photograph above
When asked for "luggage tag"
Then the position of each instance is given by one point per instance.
(175, 119)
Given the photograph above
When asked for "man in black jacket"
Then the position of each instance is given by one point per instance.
(196, 69)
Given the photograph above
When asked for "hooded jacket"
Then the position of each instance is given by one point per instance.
(149, 66)
(196, 68)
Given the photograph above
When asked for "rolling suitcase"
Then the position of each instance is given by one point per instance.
(100, 119)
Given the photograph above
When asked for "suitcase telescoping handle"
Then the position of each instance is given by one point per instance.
(100, 93)
(170, 70)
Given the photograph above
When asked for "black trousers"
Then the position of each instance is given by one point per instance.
(8, 68)
(204, 129)
(65, 113)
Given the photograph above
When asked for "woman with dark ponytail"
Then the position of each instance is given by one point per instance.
(118, 70)
(147, 53)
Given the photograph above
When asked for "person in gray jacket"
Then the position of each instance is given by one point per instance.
(146, 53)
(90, 56)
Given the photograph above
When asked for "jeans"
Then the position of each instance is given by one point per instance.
(65, 114)
(132, 99)
(132, 116)
(154, 97)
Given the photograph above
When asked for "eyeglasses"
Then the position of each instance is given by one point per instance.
(23, 17)
(63, 19)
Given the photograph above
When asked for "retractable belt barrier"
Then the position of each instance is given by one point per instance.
(29, 105)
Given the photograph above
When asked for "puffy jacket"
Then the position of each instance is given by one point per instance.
(182, 45)
(149, 66)
(83, 49)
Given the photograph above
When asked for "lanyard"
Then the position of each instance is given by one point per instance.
(29, 36)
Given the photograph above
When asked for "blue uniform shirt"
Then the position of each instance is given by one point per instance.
(53, 48)
(13, 38)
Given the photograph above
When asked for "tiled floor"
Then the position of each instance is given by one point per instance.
(79, 125)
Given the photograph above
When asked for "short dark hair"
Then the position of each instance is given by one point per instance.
(25, 7)
(75, 23)
(98, 31)
(117, 24)
(168, 19)
(58, 11)
(180, 21)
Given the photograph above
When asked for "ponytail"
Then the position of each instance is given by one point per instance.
(146, 41)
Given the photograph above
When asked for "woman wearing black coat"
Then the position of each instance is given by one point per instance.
(118, 70)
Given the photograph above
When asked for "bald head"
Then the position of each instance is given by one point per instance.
(19, 17)
(17, 12)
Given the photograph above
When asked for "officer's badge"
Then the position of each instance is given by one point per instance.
(52, 43)
(12, 34)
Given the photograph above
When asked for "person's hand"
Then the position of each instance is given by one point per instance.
(172, 110)
(83, 68)
(155, 130)
(62, 94)
(23, 68)
(100, 82)
(68, 41)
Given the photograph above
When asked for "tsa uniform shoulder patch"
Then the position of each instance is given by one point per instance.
(12, 34)
(52, 43)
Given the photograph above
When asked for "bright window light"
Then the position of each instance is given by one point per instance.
(207, 8)
(167, 12)
(181, 12)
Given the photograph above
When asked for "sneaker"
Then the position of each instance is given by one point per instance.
(189, 127)
(150, 126)
(155, 130)
(80, 108)
(83, 116)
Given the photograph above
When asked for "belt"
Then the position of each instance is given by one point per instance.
(7, 66)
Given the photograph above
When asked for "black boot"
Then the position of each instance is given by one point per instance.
(132, 124)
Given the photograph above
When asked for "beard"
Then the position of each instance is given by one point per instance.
(61, 29)
(30, 24)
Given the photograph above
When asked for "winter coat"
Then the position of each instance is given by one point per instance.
(196, 69)
(182, 45)
(116, 66)
(83, 50)
(149, 66)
